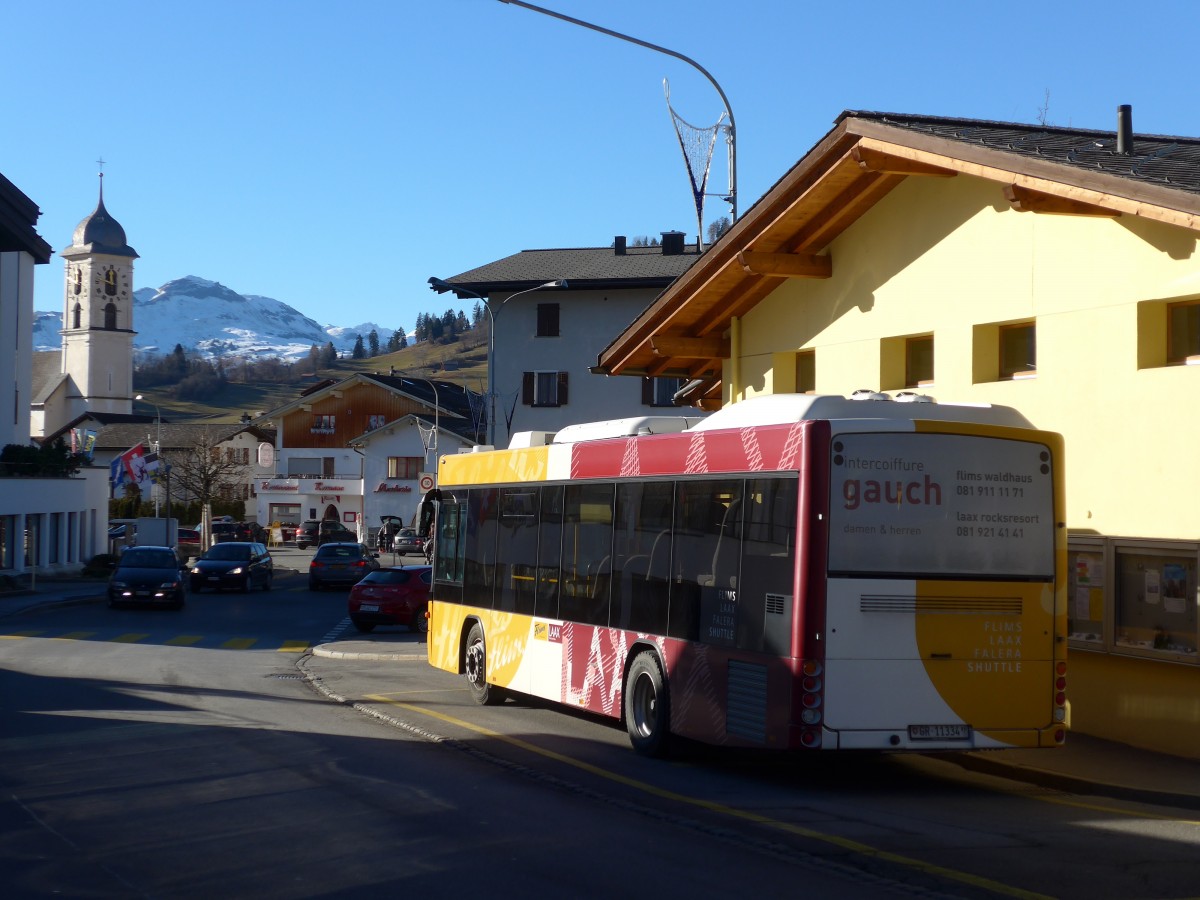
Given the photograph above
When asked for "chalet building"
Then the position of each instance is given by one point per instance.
(545, 338)
(362, 448)
(1055, 270)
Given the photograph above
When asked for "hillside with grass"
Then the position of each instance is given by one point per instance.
(463, 361)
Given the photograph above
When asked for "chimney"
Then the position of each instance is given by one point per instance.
(672, 243)
(619, 245)
(1125, 129)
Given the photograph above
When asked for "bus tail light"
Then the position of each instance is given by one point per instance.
(1060, 692)
(811, 700)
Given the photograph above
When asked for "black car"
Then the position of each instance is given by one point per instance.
(335, 533)
(240, 565)
(306, 534)
(340, 564)
(149, 575)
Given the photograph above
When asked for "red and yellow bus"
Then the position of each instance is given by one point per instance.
(794, 571)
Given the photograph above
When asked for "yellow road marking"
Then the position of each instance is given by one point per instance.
(131, 638)
(17, 635)
(293, 647)
(74, 636)
(239, 643)
(721, 809)
(1130, 813)
(185, 640)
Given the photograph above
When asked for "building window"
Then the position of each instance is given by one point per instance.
(918, 361)
(806, 371)
(547, 320)
(78, 314)
(110, 316)
(1183, 332)
(1018, 351)
(660, 391)
(544, 389)
(323, 424)
(407, 467)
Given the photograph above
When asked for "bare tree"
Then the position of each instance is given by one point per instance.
(204, 471)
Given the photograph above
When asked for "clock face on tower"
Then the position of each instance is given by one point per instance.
(111, 282)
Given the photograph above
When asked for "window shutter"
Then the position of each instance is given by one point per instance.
(527, 389)
(562, 388)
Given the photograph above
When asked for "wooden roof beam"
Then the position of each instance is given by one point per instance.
(871, 160)
(1024, 199)
(786, 265)
(681, 347)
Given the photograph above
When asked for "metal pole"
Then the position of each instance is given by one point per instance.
(691, 62)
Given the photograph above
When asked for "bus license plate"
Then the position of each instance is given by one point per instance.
(939, 732)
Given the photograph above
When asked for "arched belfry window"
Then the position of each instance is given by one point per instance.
(110, 282)
(78, 282)
(110, 316)
(78, 312)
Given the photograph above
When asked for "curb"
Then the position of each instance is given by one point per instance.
(327, 651)
(1073, 784)
(53, 602)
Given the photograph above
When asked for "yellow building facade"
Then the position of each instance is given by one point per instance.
(971, 277)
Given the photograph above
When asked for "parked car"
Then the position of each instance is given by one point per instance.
(149, 575)
(335, 533)
(224, 531)
(393, 595)
(406, 541)
(240, 565)
(390, 525)
(306, 534)
(340, 563)
(187, 543)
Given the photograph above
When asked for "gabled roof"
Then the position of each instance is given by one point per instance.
(456, 403)
(787, 232)
(583, 268)
(47, 374)
(18, 219)
(119, 432)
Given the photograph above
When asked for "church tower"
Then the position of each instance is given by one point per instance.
(97, 334)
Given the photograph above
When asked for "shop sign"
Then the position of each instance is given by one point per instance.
(386, 488)
(277, 487)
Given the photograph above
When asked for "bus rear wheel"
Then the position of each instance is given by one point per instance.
(647, 706)
(476, 669)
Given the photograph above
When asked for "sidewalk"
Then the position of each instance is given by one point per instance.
(1084, 765)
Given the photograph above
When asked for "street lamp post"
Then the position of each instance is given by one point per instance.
(438, 284)
(732, 198)
(157, 448)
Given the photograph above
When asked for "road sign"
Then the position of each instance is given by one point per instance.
(425, 482)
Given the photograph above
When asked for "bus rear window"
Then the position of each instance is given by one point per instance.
(940, 506)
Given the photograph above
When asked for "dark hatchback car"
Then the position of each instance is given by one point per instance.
(149, 575)
(335, 533)
(239, 565)
(340, 564)
(394, 595)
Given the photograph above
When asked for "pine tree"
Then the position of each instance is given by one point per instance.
(359, 351)
(373, 343)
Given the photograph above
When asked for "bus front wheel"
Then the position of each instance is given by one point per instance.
(647, 708)
(476, 665)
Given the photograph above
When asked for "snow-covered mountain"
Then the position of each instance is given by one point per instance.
(214, 321)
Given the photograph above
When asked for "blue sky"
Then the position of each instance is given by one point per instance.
(336, 155)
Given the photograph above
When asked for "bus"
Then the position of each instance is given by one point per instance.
(794, 572)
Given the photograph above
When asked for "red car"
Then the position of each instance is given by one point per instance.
(393, 595)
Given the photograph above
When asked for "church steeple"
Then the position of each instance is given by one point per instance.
(98, 313)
